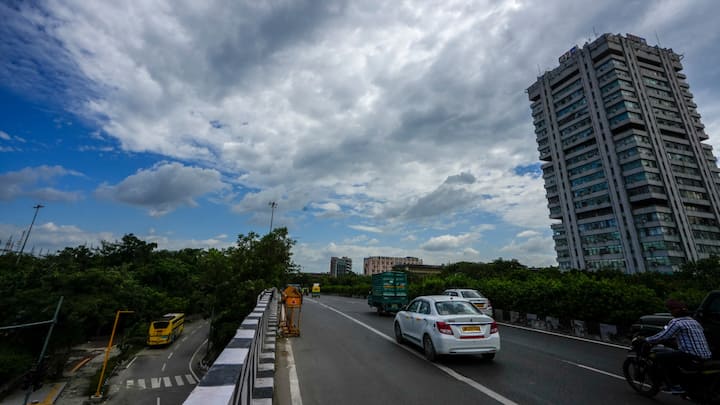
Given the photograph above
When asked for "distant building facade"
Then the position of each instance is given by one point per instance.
(627, 175)
(419, 269)
(379, 264)
(340, 266)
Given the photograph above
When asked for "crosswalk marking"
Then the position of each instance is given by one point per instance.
(160, 382)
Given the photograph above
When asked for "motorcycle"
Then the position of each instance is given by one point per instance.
(700, 380)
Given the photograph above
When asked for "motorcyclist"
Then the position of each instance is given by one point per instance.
(690, 339)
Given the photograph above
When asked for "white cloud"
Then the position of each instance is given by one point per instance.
(35, 182)
(365, 228)
(409, 118)
(164, 187)
(448, 242)
(528, 234)
(4, 136)
(536, 250)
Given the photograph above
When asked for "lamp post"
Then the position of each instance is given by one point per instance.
(107, 352)
(272, 205)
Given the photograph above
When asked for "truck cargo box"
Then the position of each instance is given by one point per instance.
(389, 291)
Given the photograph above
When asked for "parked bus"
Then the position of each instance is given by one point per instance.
(166, 330)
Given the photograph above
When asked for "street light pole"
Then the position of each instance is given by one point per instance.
(273, 205)
(107, 352)
(27, 235)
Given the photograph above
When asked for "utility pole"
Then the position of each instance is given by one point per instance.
(27, 235)
(39, 365)
(273, 205)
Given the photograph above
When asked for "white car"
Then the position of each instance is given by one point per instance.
(443, 324)
(474, 296)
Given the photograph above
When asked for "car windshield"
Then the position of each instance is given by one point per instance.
(455, 308)
(472, 294)
(161, 324)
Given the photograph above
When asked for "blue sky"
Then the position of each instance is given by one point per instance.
(378, 127)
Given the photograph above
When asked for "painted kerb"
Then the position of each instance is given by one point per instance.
(244, 372)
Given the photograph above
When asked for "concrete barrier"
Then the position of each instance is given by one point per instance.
(244, 372)
(575, 327)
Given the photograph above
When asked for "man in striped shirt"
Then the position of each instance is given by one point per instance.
(690, 339)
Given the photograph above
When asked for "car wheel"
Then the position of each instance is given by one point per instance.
(488, 356)
(398, 334)
(429, 348)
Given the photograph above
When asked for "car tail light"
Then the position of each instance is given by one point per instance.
(443, 327)
(493, 327)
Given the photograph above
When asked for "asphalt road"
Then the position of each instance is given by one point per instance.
(162, 376)
(347, 354)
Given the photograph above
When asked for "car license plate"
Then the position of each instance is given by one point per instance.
(471, 329)
(480, 305)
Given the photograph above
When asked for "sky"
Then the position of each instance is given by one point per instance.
(379, 128)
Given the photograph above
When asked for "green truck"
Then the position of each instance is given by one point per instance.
(389, 291)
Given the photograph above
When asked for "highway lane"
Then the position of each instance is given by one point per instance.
(347, 353)
(161, 376)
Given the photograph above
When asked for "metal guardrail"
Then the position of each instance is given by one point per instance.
(244, 372)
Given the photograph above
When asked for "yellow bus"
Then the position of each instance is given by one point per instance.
(166, 330)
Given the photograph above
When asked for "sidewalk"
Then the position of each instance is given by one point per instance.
(46, 395)
(72, 388)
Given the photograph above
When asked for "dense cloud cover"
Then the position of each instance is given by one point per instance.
(405, 122)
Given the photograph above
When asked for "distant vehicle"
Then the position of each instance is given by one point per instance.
(389, 291)
(166, 330)
(443, 324)
(474, 296)
(315, 290)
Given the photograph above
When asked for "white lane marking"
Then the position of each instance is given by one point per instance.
(158, 401)
(474, 384)
(295, 397)
(184, 339)
(155, 382)
(131, 362)
(141, 383)
(167, 381)
(179, 381)
(170, 355)
(564, 336)
(129, 383)
(190, 363)
(190, 379)
(619, 377)
(163, 367)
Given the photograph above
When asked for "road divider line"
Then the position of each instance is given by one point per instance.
(295, 397)
(594, 369)
(170, 355)
(190, 363)
(131, 362)
(452, 373)
(564, 336)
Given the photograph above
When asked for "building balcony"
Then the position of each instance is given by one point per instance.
(604, 48)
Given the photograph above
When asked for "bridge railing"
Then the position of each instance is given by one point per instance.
(243, 373)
